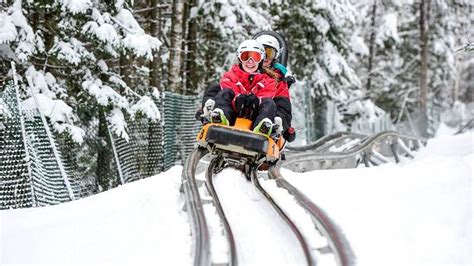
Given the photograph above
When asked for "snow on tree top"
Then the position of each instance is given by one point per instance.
(75, 6)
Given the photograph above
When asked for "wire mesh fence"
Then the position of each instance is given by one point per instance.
(16, 185)
(49, 183)
(39, 167)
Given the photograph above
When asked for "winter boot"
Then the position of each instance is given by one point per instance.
(204, 114)
(264, 127)
(277, 128)
(217, 116)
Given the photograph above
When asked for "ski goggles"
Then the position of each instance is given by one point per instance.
(245, 56)
(270, 53)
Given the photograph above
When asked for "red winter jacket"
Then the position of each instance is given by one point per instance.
(241, 82)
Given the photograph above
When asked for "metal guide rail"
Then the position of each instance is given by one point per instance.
(330, 152)
(301, 239)
(201, 243)
(337, 242)
(322, 141)
(348, 148)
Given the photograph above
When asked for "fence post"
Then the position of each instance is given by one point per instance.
(117, 162)
(53, 147)
(23, 135)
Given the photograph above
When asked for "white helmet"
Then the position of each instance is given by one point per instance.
(251, 45)
(271, 41)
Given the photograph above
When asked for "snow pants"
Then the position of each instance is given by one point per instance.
(266, 109)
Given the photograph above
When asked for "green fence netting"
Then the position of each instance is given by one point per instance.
(15, 182)
(31, 170)
(32, 174)
(50, 185)
(39, 167)
(180, 127)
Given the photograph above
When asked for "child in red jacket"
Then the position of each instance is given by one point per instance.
(245, 91)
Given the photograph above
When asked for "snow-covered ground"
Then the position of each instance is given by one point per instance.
(415, 213)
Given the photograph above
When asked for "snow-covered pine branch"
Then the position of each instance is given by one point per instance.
(73, 53)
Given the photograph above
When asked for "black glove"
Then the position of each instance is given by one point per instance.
(198, 114)
(289, 134)
(240, 102)
(252, 102)
(290, 80)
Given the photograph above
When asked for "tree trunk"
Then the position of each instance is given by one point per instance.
(155, 25)
(174, 77)
(372, 47)
(104, 156)
(154, 156)
(190, 58)
(424, 9)
(425, 119)
(125, 70)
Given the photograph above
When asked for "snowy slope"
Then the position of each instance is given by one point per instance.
(415, 213)
(139, 223)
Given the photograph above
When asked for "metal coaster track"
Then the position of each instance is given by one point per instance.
(337, 242)
(368, 149)
(372, 150)
(220, 212)
(201, 243)
(201, 250)
(322, 141)
(200, 232)
(285, 217)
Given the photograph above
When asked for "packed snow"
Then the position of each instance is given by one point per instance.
(418, 212)
(139, 223)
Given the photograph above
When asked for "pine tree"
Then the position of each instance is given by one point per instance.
(69, 52)
(379, 32)
(397, 65)
(222, 26)
(319, 45)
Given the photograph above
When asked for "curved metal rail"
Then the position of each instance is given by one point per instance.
(284, 216)
(201, 248)
(337, 143)
(365, 151)
(336, 239)
(322, 141)
(468, 126)
(227, 228)
(194, 205)
(220, 211)
(337, 242)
